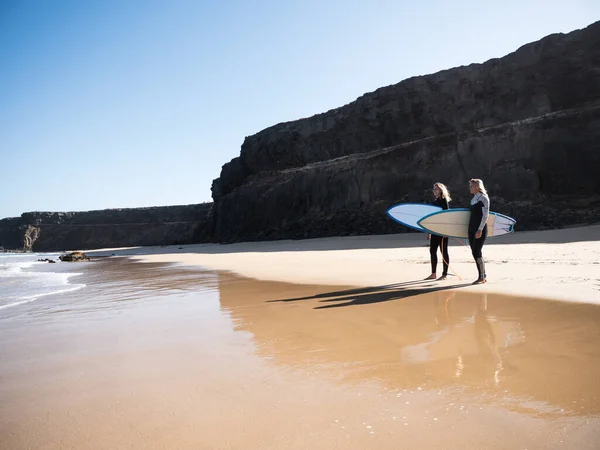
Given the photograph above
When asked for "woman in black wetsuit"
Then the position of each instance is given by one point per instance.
(442, 199)
(480, 209)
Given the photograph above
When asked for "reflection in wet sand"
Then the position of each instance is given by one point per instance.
(154, 357)
(537, 357)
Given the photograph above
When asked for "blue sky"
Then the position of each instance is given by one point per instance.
(123, 103)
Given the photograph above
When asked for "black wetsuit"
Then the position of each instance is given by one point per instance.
(439, 241)
(480, 208)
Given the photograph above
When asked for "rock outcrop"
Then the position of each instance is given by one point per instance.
(74, 257)
(128, 227)
(528, 124)
(11, 236)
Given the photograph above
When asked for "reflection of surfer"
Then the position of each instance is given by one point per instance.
(473, 342)
(442, 309)
(443, 318)
(485, 336)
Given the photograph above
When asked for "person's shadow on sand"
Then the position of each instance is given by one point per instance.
(375, 294)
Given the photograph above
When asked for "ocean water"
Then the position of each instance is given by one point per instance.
(23, 279)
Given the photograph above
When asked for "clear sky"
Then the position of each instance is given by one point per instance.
(125, 103)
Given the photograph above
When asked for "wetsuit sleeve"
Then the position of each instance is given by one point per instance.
(485, 210)
(445, 204)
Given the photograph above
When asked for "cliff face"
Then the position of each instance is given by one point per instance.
(12, 233)
(528, 124)
(168, 225)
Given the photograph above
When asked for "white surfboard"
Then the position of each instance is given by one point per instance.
(408, 214)
(455, 223)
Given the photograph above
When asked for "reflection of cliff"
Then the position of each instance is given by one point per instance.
(527, 123)
(469, 343)
(128, 227)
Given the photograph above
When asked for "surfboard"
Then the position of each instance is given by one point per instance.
(455, 223)
(408, 214)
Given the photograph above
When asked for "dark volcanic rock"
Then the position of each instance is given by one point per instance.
(11, 233)
(528, 124)
(53, 231)
(74, 257)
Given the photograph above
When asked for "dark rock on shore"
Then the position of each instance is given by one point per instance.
(74, 257)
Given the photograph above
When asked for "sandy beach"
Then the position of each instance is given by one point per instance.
(331, 344)
(554, 264)
(218, 221)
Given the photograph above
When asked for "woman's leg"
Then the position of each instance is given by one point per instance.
(445, 255)
(434, 243)
(476, 247)
(481, 262)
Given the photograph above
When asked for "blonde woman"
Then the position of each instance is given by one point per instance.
(480, 209)
(441, 199)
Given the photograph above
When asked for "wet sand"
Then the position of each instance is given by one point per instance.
(149, 356)
(555, 264)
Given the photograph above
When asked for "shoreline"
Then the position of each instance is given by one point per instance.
(158, 355)
(553, 264)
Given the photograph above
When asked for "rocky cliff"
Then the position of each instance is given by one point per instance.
(528, 124)
(51, 231)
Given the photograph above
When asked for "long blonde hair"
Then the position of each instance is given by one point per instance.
(479, 183)
(445, 191)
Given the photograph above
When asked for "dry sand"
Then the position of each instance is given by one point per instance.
(556, 264)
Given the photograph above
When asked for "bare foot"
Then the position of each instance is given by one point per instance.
(480, 281)
(433, 276)
(442, 278)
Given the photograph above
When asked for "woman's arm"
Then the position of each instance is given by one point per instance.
(485, 211)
